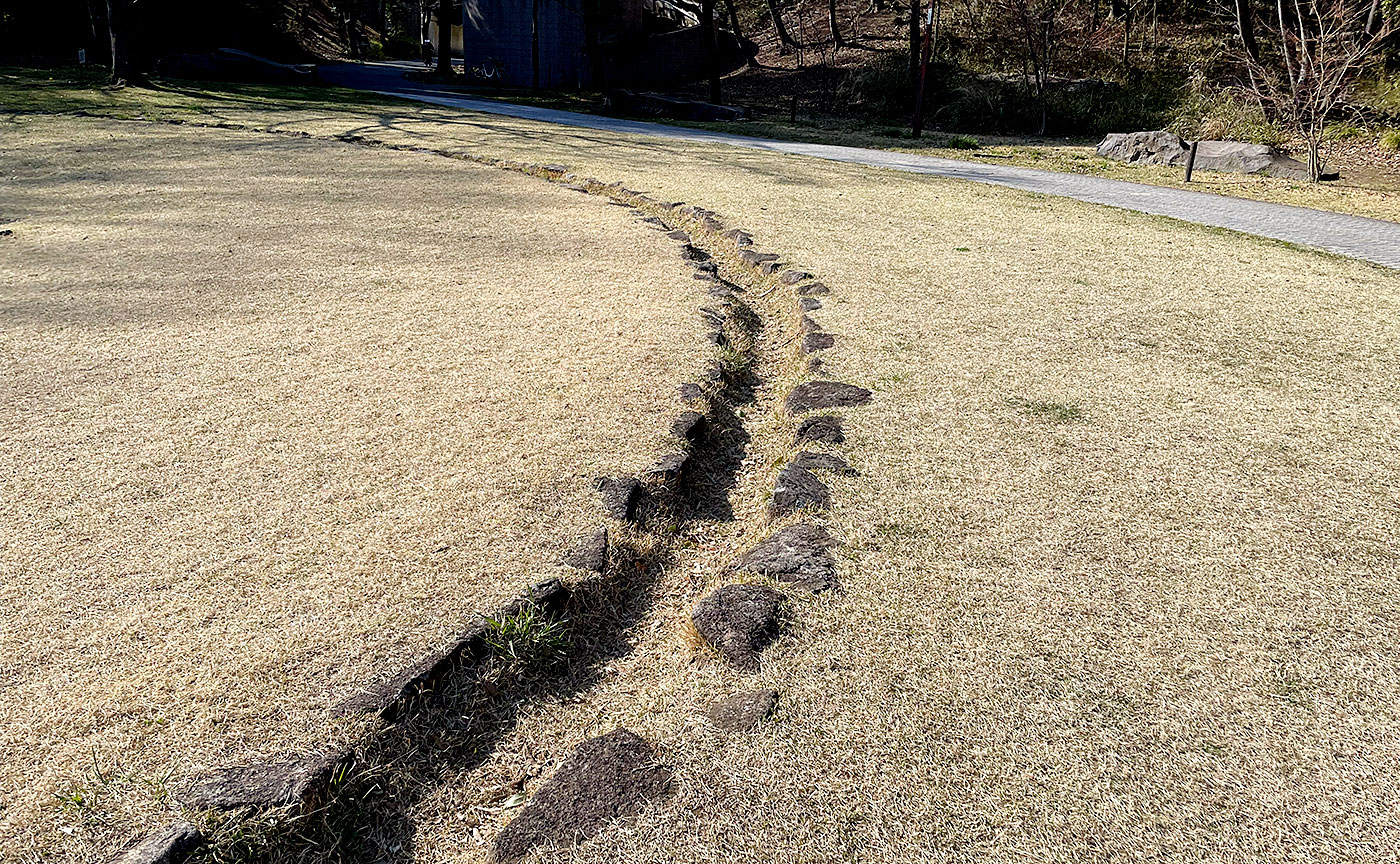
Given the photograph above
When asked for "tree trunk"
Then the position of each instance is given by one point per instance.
(710, 38)
(831, 22)
(534, 43)
(119, 41)
(1244, 25)
(733, 16)
(1127, 30)
(783, 36)
(914, 6)
(1283, 47)
(445, 10)
(1373, 18)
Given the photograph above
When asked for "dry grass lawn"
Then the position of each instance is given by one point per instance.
(278, 416)
(1121, 574)
(1121, 562)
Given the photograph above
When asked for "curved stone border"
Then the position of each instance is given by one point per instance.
(304, 781)
(808, 563)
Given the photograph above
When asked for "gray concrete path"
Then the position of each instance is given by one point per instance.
(1353, 236)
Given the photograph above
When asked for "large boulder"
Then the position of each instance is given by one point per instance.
(1240, 158)
(1164, 148)
(1143, 148)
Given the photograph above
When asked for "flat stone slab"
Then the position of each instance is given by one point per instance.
(171, 846)
(822, 462)
(606, 778)
(620, 496)
(589, 553)
(749, 256)
(797, 554)
(688, 426)
(743, 711)
(811, 304)
(814, 395)
(270, 784)
(668, 469)
(814, 342)
(797, 489)
(739, 621)
(813, 289)
(824, 429)
(792, 277)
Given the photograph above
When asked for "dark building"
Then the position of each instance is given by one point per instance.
(589, 43)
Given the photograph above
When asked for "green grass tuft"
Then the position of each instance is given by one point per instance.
(1053, 412)
(527, 637)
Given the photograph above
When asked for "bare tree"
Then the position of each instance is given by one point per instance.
(738, 33)
(836, 41)
(915, 6)
(1312, 56)
(1034, 31)
(783, 36)
(124, 66)
(709, 37)
(1244, 28)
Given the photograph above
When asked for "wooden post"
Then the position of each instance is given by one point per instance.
(1191, 160)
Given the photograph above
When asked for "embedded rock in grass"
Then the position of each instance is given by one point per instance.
(590, 553)
(743, 711)
(749, 256)
(796, 554)
(792, 277)
(655, 222)
(271, 784)
(712, 317)
(712, 224)
(811, 304)
(171, 846)
(620, 496)
(690, 393)
(770, 267)
(822, 462)
(606, 778)
(574, 186)
(797, 489)
(694, 253)
(668, 469)
(556, 169)
(739, 621)
(679, 235)
(688, 426)
(389, 698)
(716, 338)
(740, 238)
(814, 342)
(812, 289)
(825, 394)
(824, 428)
(810, 325)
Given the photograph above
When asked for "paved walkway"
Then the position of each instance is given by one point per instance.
(1353, 236)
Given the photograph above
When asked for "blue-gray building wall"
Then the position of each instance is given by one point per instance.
(501, 29)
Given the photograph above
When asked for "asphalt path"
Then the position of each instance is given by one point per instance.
(1371, 240)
